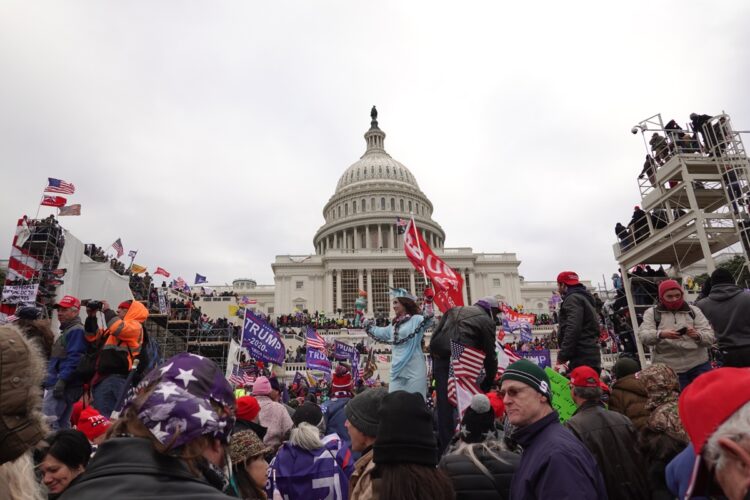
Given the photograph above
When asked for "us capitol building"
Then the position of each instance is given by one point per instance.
(359, 248)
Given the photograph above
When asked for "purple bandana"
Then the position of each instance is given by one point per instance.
(181, 402)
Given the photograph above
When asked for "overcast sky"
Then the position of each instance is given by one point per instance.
(209, 135)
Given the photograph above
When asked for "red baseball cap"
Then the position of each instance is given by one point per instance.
(585, 376)
(125, 305)
(568, 278)
(92, 423)
(704, 405)
(68, 301)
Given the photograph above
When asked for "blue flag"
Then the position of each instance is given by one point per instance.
(316, 360)
(344, 351)
(262, 340)
(300, 379)
(199, 279)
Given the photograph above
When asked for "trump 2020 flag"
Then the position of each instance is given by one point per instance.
(448, 285)
(262, 340)
(53, 201)
(317, 360)
(199, 279)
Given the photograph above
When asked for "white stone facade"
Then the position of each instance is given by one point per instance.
(359, 248)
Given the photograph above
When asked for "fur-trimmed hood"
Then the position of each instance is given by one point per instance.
(22, 371)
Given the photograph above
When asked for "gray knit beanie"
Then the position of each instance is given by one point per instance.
(362, 411)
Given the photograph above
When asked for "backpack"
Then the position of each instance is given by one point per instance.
(149, 357)
(657, 316)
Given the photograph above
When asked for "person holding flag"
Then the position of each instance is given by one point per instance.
(408, 368)
(472, 327)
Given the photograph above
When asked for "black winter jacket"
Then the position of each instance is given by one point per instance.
(578, 336)
(470, 326)
(611, 438)
(470, 483)
(128, 467)
(727, 308)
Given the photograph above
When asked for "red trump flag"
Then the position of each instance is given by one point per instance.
(448, 285)
(53, 201)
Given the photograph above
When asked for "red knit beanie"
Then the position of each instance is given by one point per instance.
(247, 408)
(342, 383)
(666, 286)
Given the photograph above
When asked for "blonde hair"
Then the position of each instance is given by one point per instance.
(306, 436)
(18, 481)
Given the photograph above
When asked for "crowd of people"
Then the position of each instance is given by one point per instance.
(94, 427)
(708, 136)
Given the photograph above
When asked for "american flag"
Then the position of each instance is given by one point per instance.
(314, 340)
(505, 357)
(240, 376)
(466, 365)
(117, 245)
(59, 186)
(401, 225)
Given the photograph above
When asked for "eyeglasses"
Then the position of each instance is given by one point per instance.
(513, 392)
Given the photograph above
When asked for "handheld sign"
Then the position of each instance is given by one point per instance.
(562, 402)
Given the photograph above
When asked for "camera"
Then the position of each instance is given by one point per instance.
(635, 129)
(95, 305)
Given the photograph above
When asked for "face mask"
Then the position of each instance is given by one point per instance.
(674, 306)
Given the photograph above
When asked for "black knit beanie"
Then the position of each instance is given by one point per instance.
(362, 411)
(721, 275)
(405, 431)
(624, 367)
(478, 423)
(308, 412)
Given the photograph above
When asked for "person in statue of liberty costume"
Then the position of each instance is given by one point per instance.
(360, 305)
(405, 334)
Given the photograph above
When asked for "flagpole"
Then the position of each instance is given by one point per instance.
(419, 246)
(132, 259)
(39, 206)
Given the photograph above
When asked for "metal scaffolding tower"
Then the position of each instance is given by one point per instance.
(695, 195)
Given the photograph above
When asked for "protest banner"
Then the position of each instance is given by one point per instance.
(20, 294)
(163, 304)
(262, 340)
(542, 357)
(562, 401)
(317, 360)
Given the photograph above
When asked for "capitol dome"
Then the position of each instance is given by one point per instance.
(370, 195)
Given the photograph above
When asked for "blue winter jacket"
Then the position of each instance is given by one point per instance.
(679, 471)
(555, 464)
(66, 353)
(335, 417)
